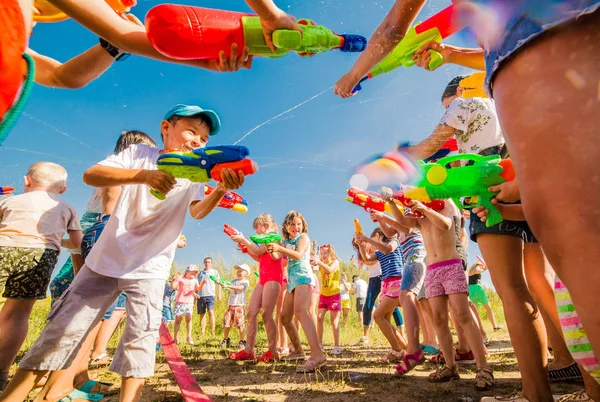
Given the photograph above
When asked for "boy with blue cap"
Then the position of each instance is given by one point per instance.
(133, 256)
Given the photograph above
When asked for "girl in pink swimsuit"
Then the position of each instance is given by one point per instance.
(266, 292)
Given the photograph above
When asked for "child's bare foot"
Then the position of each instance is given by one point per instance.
(190, 340)
(295, 356)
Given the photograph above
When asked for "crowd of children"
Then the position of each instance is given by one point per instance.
(416, 258)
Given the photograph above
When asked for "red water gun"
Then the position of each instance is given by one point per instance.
(246, 166)
(231, 231)
(6, 190)
(436, 205)
(230, 200)
(191, 33)
(369, 201)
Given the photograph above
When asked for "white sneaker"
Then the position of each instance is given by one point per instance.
(336, 350)
(364, 340)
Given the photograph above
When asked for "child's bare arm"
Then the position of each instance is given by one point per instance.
(175, 283)
(74, 240)
(439, 220)
(130, 36)
(366, 257)
(391, 223)
(404, 222)
(303, 246)
(433, 143)
(234, 287)
(231, 181)
(75, 73)
(108, 176)
(385, 38)
(383, 247)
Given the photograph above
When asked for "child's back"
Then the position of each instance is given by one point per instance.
(36, 219)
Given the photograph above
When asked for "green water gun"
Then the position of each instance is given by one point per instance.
(265, 238)
(220, 281)
(472, 180)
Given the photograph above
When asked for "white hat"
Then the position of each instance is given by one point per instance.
(243, 267)
(192, 267)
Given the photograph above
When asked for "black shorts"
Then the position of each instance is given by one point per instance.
(360, 303)
(512, 228)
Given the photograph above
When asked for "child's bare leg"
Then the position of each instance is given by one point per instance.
(253, 310)
(459, 303)
(287, 319)
(226, 332)
(439, 309)
(591, 385)
(211, 318)
(269, 302)
(540, 279)
(411, 317)
(107, 329)
(334, 316)
(282, 338)
(382, 315)
(564, 99)
(427, 323)
(504, 257)
(475, 312)
(14, 324)
(188, 325)
(320, 320)
(463, 341)
(490, 315)
(177, 325)
(312, 308)
(131, 389)
(302, 301)
(242, 331)
(20, 385)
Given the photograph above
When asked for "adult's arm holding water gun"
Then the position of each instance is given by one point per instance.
(467, 57)
(100, 18)
(385, 38)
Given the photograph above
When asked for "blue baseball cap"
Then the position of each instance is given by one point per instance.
(188, 111)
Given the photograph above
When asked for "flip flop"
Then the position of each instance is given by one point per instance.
(101, 360)
(310, 366)
(77, 394)
(90, 384)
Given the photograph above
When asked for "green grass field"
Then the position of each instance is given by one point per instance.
(356, 375)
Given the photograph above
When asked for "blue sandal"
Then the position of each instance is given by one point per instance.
(89, 385)
(77, 394)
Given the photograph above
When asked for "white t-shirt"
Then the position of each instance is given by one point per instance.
(95, 202)
(477, 122)
(374, 270)
(140, 238)
(209, 288)
(360, 288)
(238, 297)
(36, 219)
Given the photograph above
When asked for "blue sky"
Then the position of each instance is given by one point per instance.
(305, 156)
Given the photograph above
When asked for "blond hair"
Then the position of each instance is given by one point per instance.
(48, 175)
(289, 219)
(332, 256)
(267, 221)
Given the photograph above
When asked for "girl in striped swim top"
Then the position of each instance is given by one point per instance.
(388, 253)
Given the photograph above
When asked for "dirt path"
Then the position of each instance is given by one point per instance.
(355, 376)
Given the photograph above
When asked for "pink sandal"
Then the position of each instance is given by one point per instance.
(409, 362)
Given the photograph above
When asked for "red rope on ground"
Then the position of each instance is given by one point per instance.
(190, 390)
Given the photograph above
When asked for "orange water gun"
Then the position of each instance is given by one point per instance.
(7, 190)
(357, 227)
(50, 13)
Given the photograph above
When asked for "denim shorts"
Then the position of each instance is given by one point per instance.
(413, 274)
(205, 303)
(527, 21)
(511, 228)
(118, 304)
(92, 235)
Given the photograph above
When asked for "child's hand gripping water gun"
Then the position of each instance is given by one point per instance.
(436, 205)
(230, 200)
(369, 201)
(7, 190)
(231, 231)
(188, 32)
(221, 282)
(440, 183)
(49, 13)
(437, 27)
(203, 164)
